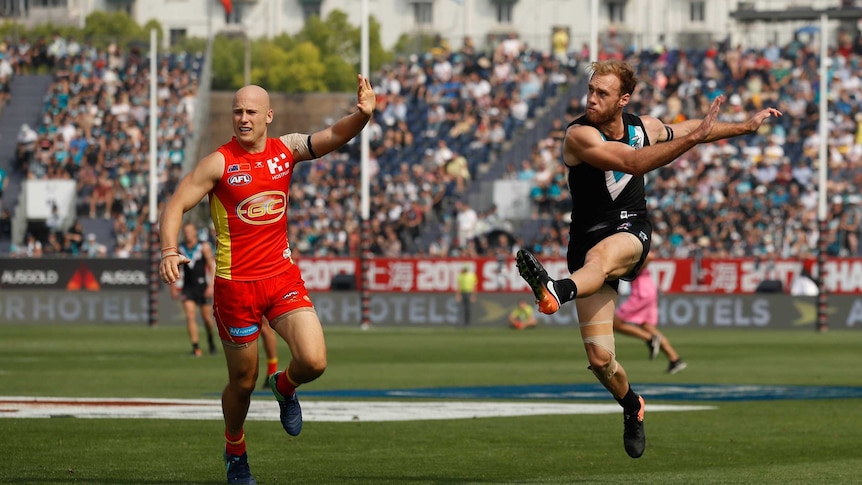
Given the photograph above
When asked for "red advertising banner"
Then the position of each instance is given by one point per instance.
(729, 276)
(842, 276)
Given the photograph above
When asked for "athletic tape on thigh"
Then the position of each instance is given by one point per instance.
(235, 345)
(596, 322)
(277, 321)
(638, 245)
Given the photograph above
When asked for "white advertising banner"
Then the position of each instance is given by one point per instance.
(42, 195)
(512, 198)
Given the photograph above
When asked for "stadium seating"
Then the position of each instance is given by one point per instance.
(450, 122)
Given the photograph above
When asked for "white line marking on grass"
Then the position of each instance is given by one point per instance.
(321, 411)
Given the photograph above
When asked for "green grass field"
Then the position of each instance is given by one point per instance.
(739, 442)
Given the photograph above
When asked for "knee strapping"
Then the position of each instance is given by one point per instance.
(596, 322)
(606, 372)
(606, 342)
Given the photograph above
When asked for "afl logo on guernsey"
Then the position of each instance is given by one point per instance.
(239, 179)
(263, 208)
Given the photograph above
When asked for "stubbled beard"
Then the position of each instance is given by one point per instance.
(598, 117)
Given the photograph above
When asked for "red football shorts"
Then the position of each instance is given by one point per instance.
(239, 305)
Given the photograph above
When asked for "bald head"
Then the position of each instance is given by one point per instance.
(252, 95)
(251, 115)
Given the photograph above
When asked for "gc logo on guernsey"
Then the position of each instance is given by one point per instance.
(263, 208)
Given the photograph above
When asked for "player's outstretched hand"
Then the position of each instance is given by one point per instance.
(366, 99)
(761, 116)
(702, 131)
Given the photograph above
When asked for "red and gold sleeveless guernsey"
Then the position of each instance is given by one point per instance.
(249, 210)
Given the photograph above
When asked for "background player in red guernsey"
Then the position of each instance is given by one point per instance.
(247, 182)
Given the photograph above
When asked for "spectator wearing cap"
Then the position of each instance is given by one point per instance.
(91, 246)
(711, 90)
(737, 110)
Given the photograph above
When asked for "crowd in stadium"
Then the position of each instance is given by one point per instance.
(444, 115)
(754, 196)
(94, 130)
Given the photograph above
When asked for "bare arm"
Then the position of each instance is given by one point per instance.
(719, 130)
(192, 188)
(584, 144)
(342, 131)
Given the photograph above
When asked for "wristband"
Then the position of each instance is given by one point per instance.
(169, 248)
(170, 254)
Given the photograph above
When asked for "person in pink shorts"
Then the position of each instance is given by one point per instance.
(638, 317)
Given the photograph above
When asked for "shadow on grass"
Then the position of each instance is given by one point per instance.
(405, 480)
(74, 478)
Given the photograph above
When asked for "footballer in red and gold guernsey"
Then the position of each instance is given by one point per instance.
(247, 182)
(249, 209)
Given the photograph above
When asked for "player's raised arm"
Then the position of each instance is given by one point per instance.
(585, 144)
(720, 130)
(345, 129)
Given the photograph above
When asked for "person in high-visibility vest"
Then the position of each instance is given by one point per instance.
(466, 294)
(522, 316)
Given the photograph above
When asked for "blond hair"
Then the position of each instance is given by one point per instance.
(620, 69)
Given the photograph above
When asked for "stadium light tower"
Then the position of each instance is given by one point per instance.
(365, 201)
(822, 168)
(154, 283)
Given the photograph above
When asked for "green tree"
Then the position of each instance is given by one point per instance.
(150, 25)
(46, 31)
(340, 48)
(299, 70)
(338, 45)
(227, 62)
(377, 55)
(323, 57)
(105, 27)
(190, 44)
